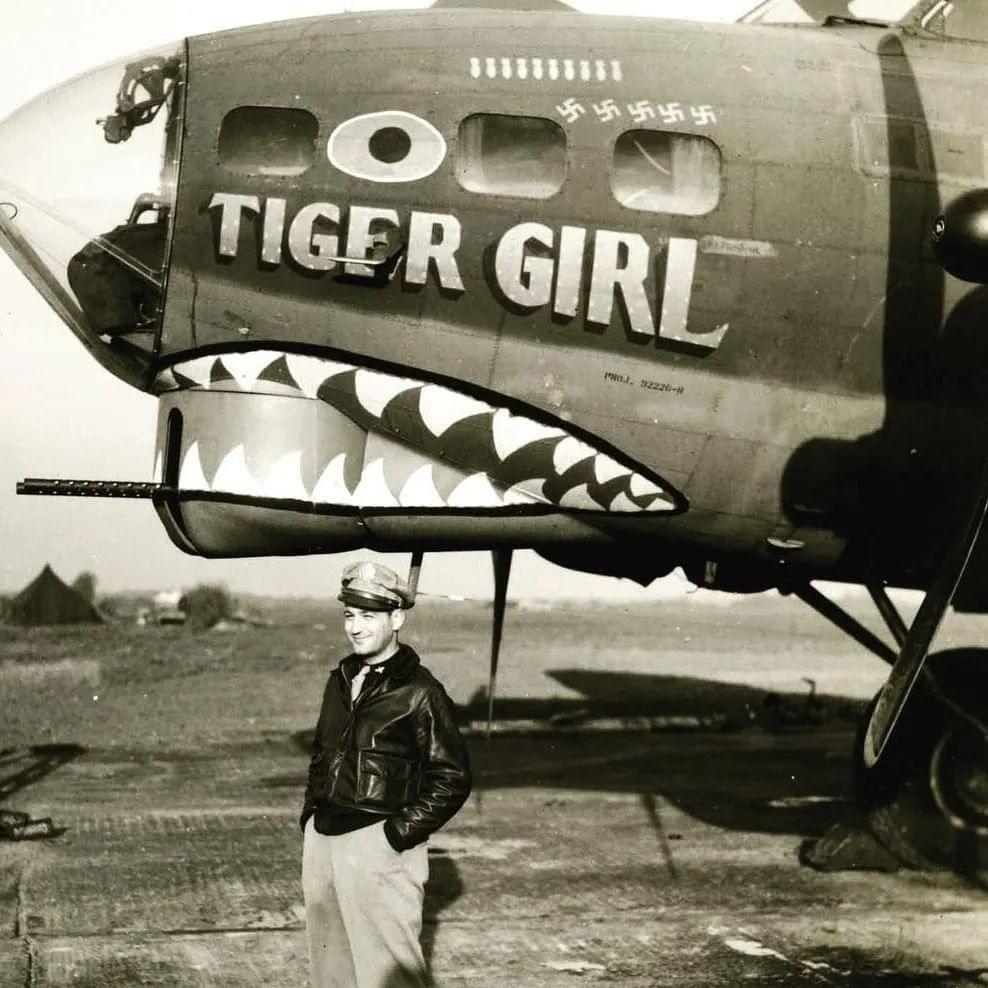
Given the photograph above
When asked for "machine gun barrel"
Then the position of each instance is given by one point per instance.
(60, 487)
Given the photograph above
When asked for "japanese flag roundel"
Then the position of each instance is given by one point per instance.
(388, 146)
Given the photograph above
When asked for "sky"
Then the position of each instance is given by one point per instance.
(62, 415)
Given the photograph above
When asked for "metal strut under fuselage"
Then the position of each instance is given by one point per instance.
(501, 559)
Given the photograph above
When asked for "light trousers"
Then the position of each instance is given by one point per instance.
(363, 909)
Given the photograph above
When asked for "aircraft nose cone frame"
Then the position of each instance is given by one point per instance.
(88, 173)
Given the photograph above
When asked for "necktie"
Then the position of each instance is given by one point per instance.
(358, 681)
(364, 678)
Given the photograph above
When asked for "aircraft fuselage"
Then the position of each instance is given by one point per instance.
(702, 250)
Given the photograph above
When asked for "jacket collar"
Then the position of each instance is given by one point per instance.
(398, 669)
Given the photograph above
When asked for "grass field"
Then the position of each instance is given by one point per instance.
(118, 684)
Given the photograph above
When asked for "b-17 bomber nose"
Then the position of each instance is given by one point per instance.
(88, 174)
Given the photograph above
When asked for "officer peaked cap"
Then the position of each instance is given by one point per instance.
(374, 587)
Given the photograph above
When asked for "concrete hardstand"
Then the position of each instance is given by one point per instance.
(645, 859)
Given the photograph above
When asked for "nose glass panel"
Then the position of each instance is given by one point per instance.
(88, 176)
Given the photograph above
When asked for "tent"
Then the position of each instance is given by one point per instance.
(46, 600)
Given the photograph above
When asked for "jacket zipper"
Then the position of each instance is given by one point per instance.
(345, 737)
(347, 733)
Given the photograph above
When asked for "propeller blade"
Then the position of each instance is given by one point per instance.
(502, 571)
(916, 646)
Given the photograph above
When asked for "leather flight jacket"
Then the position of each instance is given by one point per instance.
(395, 751)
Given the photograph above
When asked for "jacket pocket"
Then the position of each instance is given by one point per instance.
(385, 782)
(323, 769)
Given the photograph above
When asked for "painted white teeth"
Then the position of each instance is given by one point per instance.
(190, 475)
(374, 390)
(233, 475)
(441, 408)
(310, 373)
(578, 498)
(661, 503)
(373, 490)
(419, 491)
(475, 492)
(511, 432)
(569, 452)
(640, 487)
(623, 503)
(605, 468)
(158, 469)
(331, 486)
(166, 380)
(198, 371)
(518, 495)
(284, 479)
(245, 368)
(536, 490)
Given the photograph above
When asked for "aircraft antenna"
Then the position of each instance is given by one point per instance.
(921, 13)
(414, 571)
(501, 559)
(756, 13)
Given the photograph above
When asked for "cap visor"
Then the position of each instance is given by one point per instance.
(369, 602)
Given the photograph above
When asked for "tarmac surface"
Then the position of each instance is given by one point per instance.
(641, 859)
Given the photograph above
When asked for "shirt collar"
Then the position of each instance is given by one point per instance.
(379, 667)
(400, 666)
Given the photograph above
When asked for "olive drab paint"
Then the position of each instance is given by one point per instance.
(534, 266)
(741, 309)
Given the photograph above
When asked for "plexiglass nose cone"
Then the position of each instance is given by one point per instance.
(87, 184)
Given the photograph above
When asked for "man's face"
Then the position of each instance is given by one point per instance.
(371, 633)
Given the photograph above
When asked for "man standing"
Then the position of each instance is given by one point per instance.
(388, 768)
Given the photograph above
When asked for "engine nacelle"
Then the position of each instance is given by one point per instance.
(960, 237)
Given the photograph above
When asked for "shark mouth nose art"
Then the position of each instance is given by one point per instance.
(383, 441)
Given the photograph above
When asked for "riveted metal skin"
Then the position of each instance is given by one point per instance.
(781, 357)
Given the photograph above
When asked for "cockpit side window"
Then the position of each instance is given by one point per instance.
(505, 155)
(268, 140)
(662, 172)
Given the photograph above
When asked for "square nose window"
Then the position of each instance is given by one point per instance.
(662, 172)
(504, 155)
(268, 140)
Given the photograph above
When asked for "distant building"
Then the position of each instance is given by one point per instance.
(168, 607)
